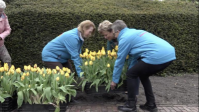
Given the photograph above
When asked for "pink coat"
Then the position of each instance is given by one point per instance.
(4, 28)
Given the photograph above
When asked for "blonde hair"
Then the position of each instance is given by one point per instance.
(105, 26)
(2, 4)
(84, 25)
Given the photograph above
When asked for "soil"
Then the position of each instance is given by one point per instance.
(181, 89)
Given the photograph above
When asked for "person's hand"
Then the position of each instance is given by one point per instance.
(113, 84)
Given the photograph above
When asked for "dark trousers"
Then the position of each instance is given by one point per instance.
(143, 71)
(52, 65)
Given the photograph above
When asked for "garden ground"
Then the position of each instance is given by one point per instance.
(172, 93)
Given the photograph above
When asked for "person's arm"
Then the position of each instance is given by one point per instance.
(6, 31)
(124, 48)
(72, 45)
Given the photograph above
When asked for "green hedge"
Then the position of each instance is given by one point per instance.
(36, 22)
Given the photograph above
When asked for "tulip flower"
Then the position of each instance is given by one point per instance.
(108, 65)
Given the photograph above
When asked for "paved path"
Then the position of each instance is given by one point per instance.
(111, 107)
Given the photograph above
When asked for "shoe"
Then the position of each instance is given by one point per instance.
(150, 108)
(129, 106)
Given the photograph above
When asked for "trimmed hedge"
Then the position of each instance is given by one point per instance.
(36, 22)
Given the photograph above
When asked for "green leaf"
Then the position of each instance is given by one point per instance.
(47, 93)
(2, 99)
(20, 98)
(34, 92)
(61, 97)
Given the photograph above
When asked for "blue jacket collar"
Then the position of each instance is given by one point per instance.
(121, 32)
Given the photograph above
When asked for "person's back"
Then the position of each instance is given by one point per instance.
(58, 48)
(147, 46)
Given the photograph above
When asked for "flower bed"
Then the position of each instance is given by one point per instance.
(98, 69)
(37, 86)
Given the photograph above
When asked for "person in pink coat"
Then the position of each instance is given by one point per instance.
(4, 32)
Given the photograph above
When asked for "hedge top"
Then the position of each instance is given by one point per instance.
(102, 6)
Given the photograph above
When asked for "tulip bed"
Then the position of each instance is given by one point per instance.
(34, 85)
(98, 68)
(37, 85)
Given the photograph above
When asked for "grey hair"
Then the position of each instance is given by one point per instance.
(2, 4)
(118, 25)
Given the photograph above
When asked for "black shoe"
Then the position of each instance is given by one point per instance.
(150, 108)
(129, 106)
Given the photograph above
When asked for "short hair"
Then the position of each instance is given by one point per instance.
(84, 25)
(118, 25)
(105, 26)
(2, 4)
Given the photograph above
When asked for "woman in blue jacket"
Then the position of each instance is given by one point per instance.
(105, 30)
(150, 54)
(67, 46)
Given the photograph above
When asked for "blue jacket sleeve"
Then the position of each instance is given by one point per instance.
(109, 45)
(72, 45)
(124, 48)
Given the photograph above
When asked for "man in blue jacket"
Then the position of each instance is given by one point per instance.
(149, 55)
(67, 46)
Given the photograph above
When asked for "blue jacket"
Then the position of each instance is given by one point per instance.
(64, 47)
(111, 45)
(141, 44)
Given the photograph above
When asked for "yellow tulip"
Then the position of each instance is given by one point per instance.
(41, 72)
(109, 52)
(27, 74)
(29, 67)
(98, 57)
(1, 77)
(12, 71)
(49, 72)
(87, 50)
(43, 75)
(103, 48)
(127, 57)
(57, 79)
(54, 71)
(5, 64)
(18, 70)
(81, 55)
(67, 75)
(25, 67)
(94, 53)
(22, 78)
(35, 69)
(68, 71)
(62, 72)
(86, 63)
(115, 57)
(6, 68)
(35, 65)
(93, 58)
(90, 63)
(103, 52)
(12, 67)
(2, 69)
(29, 86)
(108, 65)
(57, 68)
(113, 54)
(24, 74)
(116, 47)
